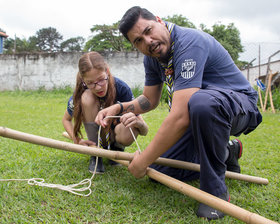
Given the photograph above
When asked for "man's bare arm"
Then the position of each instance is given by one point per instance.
(177, 119)
(142, 104)
(146, 102)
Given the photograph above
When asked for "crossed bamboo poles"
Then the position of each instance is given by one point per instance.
(184, 165)
(123, 158)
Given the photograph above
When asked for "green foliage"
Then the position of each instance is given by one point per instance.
(48, 39)
(107, 38)
(18, 45)
(117, 196)
(74, 44)
(228, 36)
(164, 94)
(179, 20)
(275, 98)
(137, 91)
(242, 64)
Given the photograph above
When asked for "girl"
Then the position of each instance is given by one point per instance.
(95, 89)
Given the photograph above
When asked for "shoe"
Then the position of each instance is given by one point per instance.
(235, 152)
(205, 211)
(100, 167)
(116, 147)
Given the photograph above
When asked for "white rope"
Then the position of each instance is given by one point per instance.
(129, 129)
(73, 188)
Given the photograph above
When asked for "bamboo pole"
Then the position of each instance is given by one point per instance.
(260, 98)
(206, 198)
(95, 151)
(268, 91)
(196, 167)
(199, 195)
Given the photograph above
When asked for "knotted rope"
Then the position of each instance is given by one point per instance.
(79, 188)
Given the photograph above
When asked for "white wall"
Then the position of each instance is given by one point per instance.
(253, 72)
(54, 70)
(49, 70)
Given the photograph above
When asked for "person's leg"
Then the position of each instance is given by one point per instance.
(211, 129)
(91, 129)
(123, 135)
(120, 138)
(183, 150)
(90, 108)
(212, 116)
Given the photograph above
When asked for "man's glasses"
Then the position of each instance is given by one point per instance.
(92, 85)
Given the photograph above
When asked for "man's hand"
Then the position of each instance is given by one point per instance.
(135, 167)
(130, 120)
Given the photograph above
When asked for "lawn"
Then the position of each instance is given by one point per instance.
(117, 196)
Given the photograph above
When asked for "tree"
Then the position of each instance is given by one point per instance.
(18, 45)
(179, 20)
(33, 44)
(48, 39)
(74, 44)
(8, 46)
(228, 36)
(107, 38)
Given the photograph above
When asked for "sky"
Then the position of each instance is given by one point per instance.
(257, 20)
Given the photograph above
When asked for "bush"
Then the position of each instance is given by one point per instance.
(164, 95)
(276, 97)
(137, 91)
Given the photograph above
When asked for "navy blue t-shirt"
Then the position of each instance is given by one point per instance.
(123, 94)
(199, 60)
(70, 106)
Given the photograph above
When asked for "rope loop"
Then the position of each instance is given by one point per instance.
(77, 189)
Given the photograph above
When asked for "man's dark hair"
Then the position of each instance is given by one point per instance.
(131, 17)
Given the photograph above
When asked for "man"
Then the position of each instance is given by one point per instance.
(211, 101)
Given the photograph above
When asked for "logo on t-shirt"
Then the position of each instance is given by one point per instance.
(188, 68)
(71, 105)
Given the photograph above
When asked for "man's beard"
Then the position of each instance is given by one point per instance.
(165, 57)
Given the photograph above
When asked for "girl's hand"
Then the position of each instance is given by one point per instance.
(109, 111)
(130, 120)
(86, 142)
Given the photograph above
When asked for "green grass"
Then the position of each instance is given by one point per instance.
(117, 196)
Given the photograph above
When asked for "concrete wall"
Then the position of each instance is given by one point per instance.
(54, 70)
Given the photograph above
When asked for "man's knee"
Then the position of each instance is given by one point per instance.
(202, 105)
